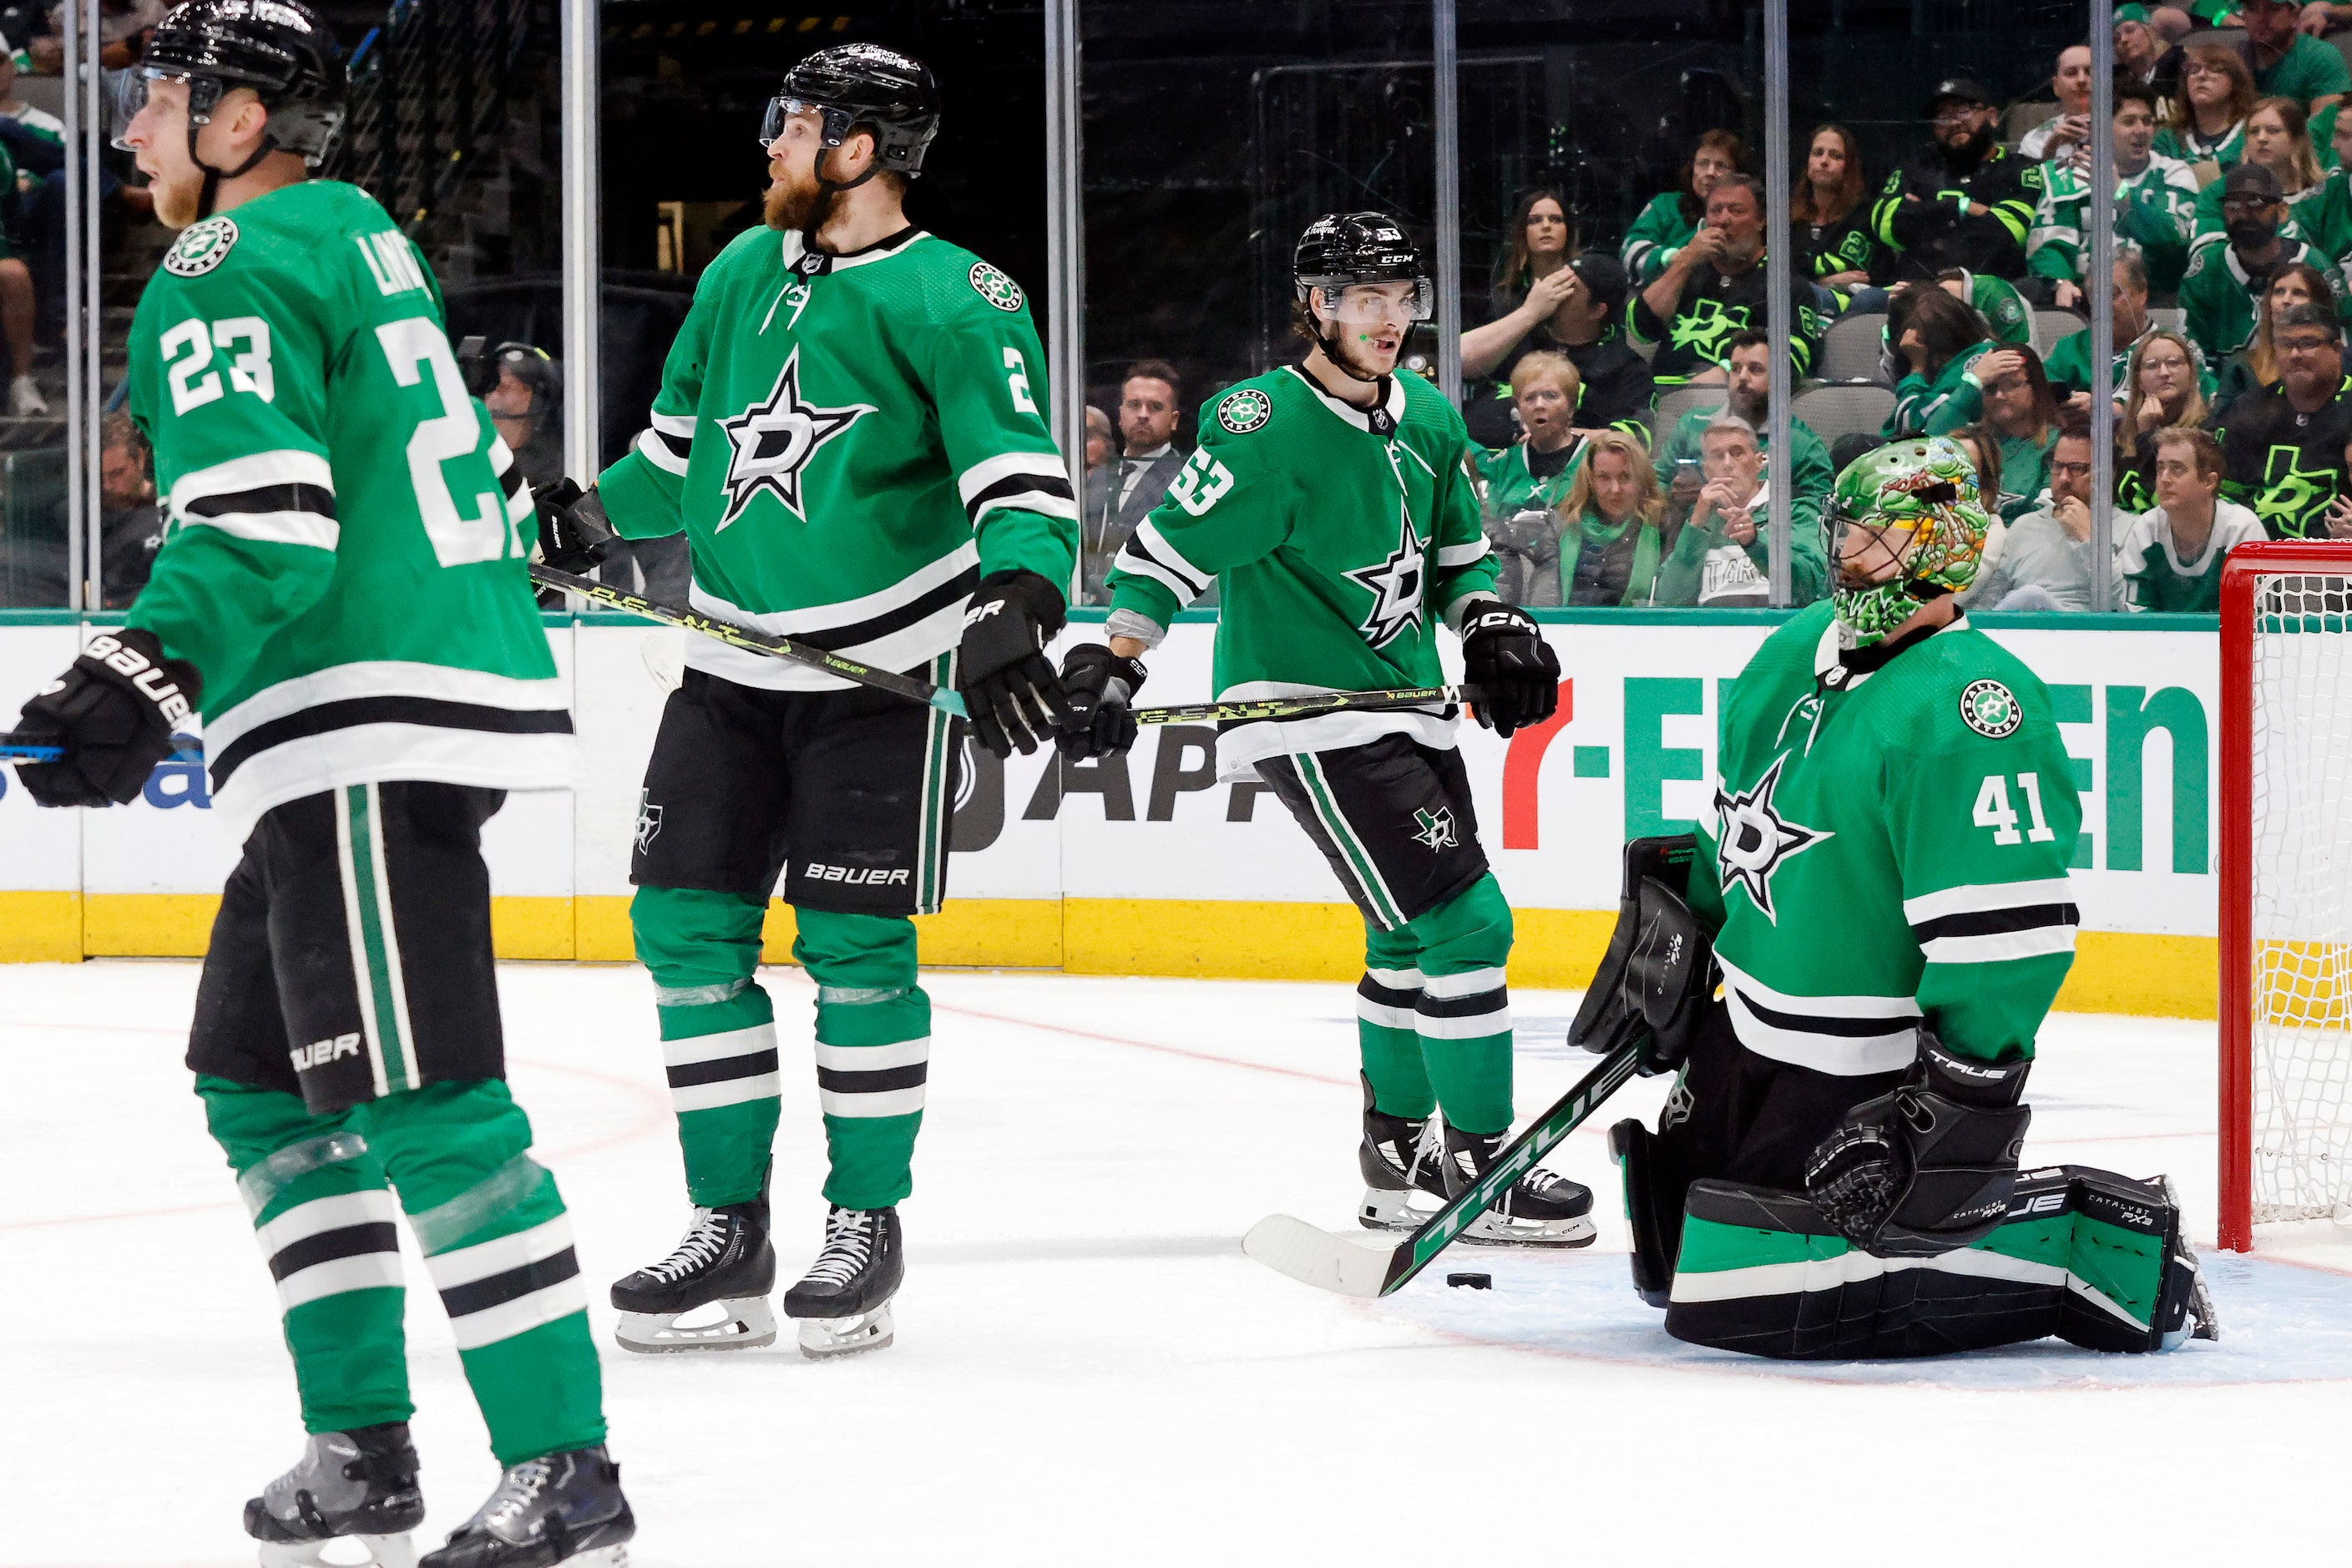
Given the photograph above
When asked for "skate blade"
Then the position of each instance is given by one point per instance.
(1493, 1230)
(1383, 1208)
(600, 1557)
(824, 1338)
(382, 1551)
(747, 1325)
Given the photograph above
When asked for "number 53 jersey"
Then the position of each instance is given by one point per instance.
(345, 537)
(1885, 843)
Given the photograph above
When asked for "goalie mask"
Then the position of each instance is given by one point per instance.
(1909, 526)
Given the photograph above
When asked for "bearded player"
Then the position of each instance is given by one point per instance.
(1329, 503)
(1836, 1173)
(849, 431)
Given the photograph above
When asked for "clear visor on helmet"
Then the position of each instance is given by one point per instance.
(783, 106)
(1369, 304)
(126, 93)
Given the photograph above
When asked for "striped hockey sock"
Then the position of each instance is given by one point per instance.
(1387, 1025)
(1463, 1013)
(873, 1051)
(718, 1034)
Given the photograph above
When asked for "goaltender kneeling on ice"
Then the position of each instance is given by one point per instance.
(1884, 890)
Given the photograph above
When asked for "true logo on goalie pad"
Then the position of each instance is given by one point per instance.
(1990, 709)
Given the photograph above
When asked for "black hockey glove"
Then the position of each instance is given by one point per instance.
(1009, 691)
(1101, 688)
(1930, 1166)
(574, 535)
(114, 711)
(1658, 976)
(1504, 655)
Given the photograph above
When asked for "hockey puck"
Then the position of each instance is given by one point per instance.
(1473, 1282)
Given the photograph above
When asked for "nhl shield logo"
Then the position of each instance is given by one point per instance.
(1244, 411)
(995, 288)
(200, 247)
(1990, 709)
(1436, 829)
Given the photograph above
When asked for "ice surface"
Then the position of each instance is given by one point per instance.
(1088, 1372)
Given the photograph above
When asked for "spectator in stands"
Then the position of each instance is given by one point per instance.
(1099, 438)
(2020, 413)
(526, 407)
(2068, 130)
(2043, 561)
(1722, 556)
(1965, 200)
(1611, 540)
(2289, 63)
(1151, 403)
(2221, 296)
(2278, 137)
(1526, 481)
(131, 523)
(2208, 123)
(1532, 280)
(1747, 363)
(1996, 301)
(2169, 557)
(2069, 365)
(33, 121)
(2256, 365)
(1585, 325)
(2155, 198)
(2163, 387)
(2144, 54)
(122, 26)
(1715, 287)
(1666, 225)
(1831, 222)
(2283, 447)
(1984, 453)
(1941, 342)
(17, 309)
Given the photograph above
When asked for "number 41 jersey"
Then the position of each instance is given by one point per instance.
(1888, 843)
(345, 542)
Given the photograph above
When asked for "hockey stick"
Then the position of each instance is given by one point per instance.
(1315, 1257)
(949, 701)
(12, 751)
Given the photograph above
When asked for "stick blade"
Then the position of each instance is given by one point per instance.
(1313, 1255)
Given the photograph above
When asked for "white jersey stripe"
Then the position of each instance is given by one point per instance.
(372, 1205)
(651, 447)
(275, 527)
(2000, 947)
(1008, 465)
(1468, 984)
(360, 1272)
(1980, 896)
(726, 1091)
(887, 1102)
(875, 1058)
(719, 1046)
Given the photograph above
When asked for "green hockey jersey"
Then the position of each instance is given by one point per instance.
(849, 445)
(1886, 844)
(344, 555)
(1337, 536)
(2153, 212)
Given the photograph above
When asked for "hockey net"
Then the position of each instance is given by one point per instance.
(2287, 887)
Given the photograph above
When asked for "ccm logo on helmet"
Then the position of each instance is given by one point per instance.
(150, 681)
(868, 875)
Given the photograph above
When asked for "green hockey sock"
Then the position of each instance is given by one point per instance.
(1388, 1028)
(326, 1222)
(718, 1034)
(499, 1244)
(873, 1051)
(1464, 1016)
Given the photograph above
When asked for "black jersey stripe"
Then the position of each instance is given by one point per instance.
(1042, 482)
(1182, 573)
(720, 1069)
(1473, 1005)
(316, 499)
(832, 639)
(1813, 1023)
(438, 712)
(498, 1290)
(1993, 922)
(874, 1080)
(1372, 990)
(326, 1245)
(510, 479)
(678, 446)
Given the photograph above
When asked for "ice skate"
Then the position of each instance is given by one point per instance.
(358, 1486)
(564, 1507)
(1399, 1157)
(843, 1304)
(1540, 1209)
(725, 1260)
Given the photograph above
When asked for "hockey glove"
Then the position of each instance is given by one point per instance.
(1101, 687)
(1504, 655)
(114, 711)
(1009, 691)
(1929, 1167)
(574, 535)
(1658, 976)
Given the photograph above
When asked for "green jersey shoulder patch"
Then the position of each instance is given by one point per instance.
(996, 288)
(1990, 709)
(200, 247)
(1244, 409)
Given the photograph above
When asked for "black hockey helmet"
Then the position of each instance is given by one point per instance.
(282, 49)
(850, 85)
(1342, 249)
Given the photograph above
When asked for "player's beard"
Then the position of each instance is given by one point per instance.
(176, 198)
(1352, 355)
(791, 203)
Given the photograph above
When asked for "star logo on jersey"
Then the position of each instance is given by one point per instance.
(1990, 709)
(995, 288)
(1244, 410)
(773, 441)
(2293, 497)
(1396, 587)
(200, 247)
(1436, 829)
(1753, 840)
(1707, 327)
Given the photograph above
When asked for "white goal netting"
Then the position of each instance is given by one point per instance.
(2301, 898)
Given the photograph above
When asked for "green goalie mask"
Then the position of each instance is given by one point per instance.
(1908, 525)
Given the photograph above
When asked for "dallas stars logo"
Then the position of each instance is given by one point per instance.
(2293, 496)
(1395, 586)
(775, 440)
(1754, 840)
(1705, 330)
(1436, 829)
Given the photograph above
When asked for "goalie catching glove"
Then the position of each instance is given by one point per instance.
(575, 534)
(114, 712)
(1505, 657)
(1009, 691)
(1930, 1166)
(1101, 688)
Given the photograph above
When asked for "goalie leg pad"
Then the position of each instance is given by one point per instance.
(1655, 1216)
(2085, 1255)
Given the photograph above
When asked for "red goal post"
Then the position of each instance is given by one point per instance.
(2285, 957)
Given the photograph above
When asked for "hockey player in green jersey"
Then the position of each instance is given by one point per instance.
(849, 433)
(1329, 503)
(341, 595)
(1885, 886)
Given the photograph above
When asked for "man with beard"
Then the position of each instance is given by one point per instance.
(1716, 288)
(1965, 201)
(2222, 297)
(849, 433)
(2287, 62)
(1750, 367)
(2282, 445)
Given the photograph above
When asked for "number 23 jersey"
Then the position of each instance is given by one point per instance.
(346, 535)
(1892, 845)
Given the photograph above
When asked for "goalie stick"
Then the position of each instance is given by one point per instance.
(14, 750)
(1313, 1256)
(1302, 705)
